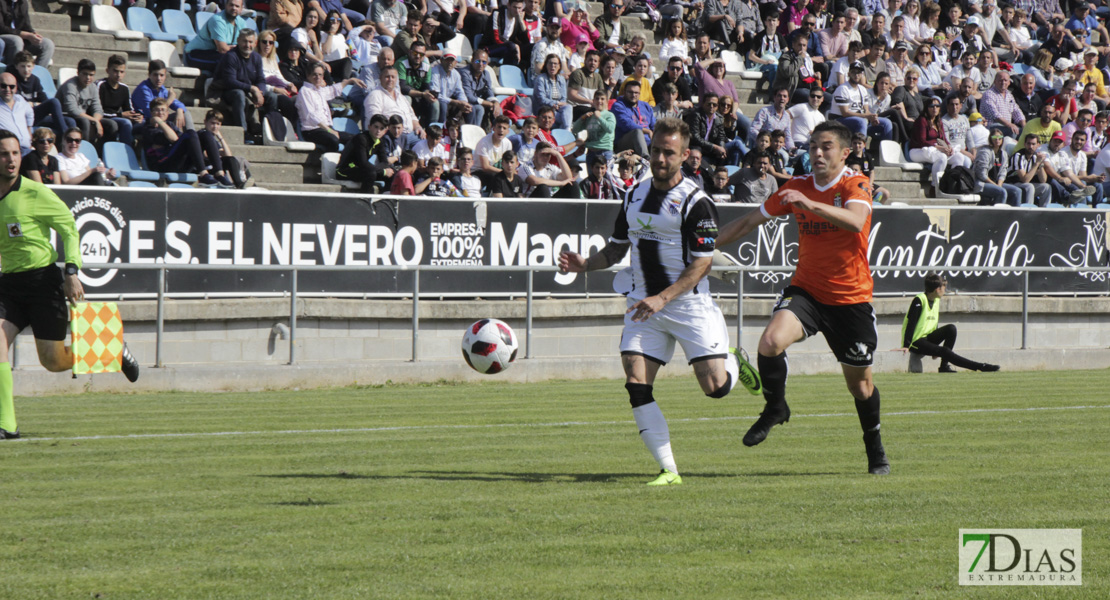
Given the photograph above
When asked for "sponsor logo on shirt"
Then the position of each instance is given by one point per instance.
(15, 230)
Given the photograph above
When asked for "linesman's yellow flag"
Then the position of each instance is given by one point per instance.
(97, 333)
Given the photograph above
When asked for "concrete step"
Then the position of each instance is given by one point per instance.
(274, 173)
(69, 57)
(51, 21)
(901, 190)
(65, 38)
(314, 188)
(895, 174)
(274, 155)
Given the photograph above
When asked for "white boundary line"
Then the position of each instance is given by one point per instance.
(140, 436)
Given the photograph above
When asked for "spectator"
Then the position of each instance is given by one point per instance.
(364, 158)
(977, 135)
(793, 68)
(852, 104)
(1026, 171)
(308, 36)
(718, 187)
(218, 36)
(583, 83)
(469, 185)
(639, 75)
(433, 146)
(927, 143)
(834, 42)
(707, 132)
(775, 116)
(315, 112)
(1000, 108)
(600, 126)
(703, 48)
(666, 108)
(873, 62)
(969, 40)
(596, 185)
(490, 149)
(16, 114)
(898, 63)
(735, 146)
(932, 81)
(154, 86)
(507, 183)
(351, 18)
(1091, 74)
(610, 80)
(966, 93)
(611, 34)
(170, 150)
(506, 35)
(766, 48)
(838, 73)
(882, 105)
(987, 71)
(1021, 41)
(477, 15)
(39, 164)
(333, 46)
(675, 44)
(549, 176)
(1087, 100)
(525, 143)
(1082, 24)
(956, 127)
(550, 44)
(578, 28)
(1065, 103)
(81, 102)
(1061, 44)
(74, 167)
(635, 121)
(402, 180)
(478, 88)
(241, 84)
(285, 15)
(17, 35)
(1026, 97)
(228, 170)
(363, 45)
(674, 75)
(1082, 123)
(407, 35)
(115, 98)
(388, 100)
(294, 65)
(415, 77)
(863, 161)
(805, 116)
(1044, 127)
(437, 186)
(370, 74)
(753, 184)
(692, 167)
(48, 111)
(779, 156)
(1099, 134)
(271, 66)
(965, 70)
(989, 170)
(387, 17)
(446, 84)
(1067, 172)
(550, 89)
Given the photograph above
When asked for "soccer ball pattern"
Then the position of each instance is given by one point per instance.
(489, 346)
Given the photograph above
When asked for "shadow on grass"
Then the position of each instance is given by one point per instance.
(533, 477)
(306, 502)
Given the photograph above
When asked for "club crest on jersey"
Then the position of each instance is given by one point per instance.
(836, 201)
(674, 206)
(15, 230)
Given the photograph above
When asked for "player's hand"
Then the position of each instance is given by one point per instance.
(796, 198)
(572, 262)
(646, 307)
(71, 287)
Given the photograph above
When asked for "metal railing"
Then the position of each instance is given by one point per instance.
(530, 272)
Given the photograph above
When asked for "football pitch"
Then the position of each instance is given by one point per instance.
(537, 491)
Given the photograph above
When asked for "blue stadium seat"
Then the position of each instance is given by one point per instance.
(142, 184)
(177, 22)
(512, 77)
(47, 80)
(563, 136)
(1054, 205)
(89, 151)
(202, 18)
(732, 169)
(1102, 206)
(181, 186)
(345, 124)
(121, 157)
(143, 20)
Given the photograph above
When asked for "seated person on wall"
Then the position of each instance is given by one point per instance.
(922, 337)
(170, 150)
(217, 37)
(154, 86)
(74, 167)
(467, 184)
(17, 35)
(365, 158)
(402, 181)
(508, 183)
(115, 98)
(596, 185)
(550, 176)
(48, 111)
(241, 83)
(220, 161)
(81, 102)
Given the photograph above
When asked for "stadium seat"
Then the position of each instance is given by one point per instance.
(47, 80)
(181, 186)
(167, 53)
(1054, 205)
(471, 135)
(121, 157)
(890, 155)
(90, 152)
(344, 124)
(1027, 205)
(291, 143)
(202, 18)
(170, 177)
(106, 19)
(512, 77)
(960, 198)
(1102, 206)
(179, 23)
(142, 184)
(563, 136)
(460, 47)
(732, 169)
(66, 73)
(499, 89)
(328, 162)
(143, 20)
(733, 62)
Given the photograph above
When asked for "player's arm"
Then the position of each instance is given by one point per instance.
(57, 216)
(738, 228)
(690, 276)
(911, 322)
(852, 217)
(611, 254)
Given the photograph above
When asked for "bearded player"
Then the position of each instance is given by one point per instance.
(669, 224)
(831, 289)
(33, 290)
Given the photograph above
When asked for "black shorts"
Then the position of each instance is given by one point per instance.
(35, 298)
(849, 328)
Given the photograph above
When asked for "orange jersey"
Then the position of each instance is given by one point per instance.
(832, 262)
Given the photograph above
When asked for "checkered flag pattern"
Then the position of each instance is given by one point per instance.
(97, 331)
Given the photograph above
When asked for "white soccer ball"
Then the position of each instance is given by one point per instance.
(489, 346)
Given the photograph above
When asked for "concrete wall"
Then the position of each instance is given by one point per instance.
(230, 344)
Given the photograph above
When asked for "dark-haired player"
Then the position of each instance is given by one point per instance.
(670, 225)
(33, 290)
(831, 289)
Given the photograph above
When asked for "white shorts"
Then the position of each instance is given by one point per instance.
(694, 321)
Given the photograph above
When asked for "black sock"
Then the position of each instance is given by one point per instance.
(773, 370)
(868, 411)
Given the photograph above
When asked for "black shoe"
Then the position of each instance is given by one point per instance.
(129, 365)
(989, 368)
(946, 369)
(877, 464)
(9, 435)
(770, 417)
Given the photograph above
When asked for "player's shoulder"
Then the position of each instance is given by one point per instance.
(32, 189)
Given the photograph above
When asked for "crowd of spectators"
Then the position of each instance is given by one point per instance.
(1007, 99)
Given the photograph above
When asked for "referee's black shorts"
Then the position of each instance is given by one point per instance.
(35, 298)
(849, 329)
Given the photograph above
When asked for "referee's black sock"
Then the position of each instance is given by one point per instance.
(773, 371)
(868, 411)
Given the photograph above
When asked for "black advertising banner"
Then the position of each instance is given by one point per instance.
(975, 247)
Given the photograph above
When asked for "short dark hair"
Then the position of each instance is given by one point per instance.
(85, 65)
(408, 157)
(502, 120)
(671, 126)
(396, 120)
(379, 119)
(155, 65)
(507, 156)
(116, 60)
(5, 134)
(23, 57)
(934, 281)
(838, 129)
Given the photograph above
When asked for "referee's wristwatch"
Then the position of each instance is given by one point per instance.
(71, 269)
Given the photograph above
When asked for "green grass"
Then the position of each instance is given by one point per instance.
(536, 491)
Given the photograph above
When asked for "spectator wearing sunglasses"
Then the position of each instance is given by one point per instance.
(478, 88)
(74, 168)
(39, 165)
(16, 114)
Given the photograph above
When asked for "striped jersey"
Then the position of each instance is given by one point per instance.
(667, 231)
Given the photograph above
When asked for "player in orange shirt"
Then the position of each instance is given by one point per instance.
(831, 288)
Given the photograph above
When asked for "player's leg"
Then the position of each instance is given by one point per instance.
(9, 428)
(862, 387)
(645, 348)
(54, 355)
(698, 325)
(939, 344)
(785, 329)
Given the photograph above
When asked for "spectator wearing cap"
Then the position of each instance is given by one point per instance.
(1067, 171)
(1082, 24)
(578, 27)
(1090, 73)
(446, 83)
(18, 35)
(1000, 108)
(834, 41)
(969, 39)
(1061, 43)
(899, 62)
(852, 105)
(315, 113)
(978, 135)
